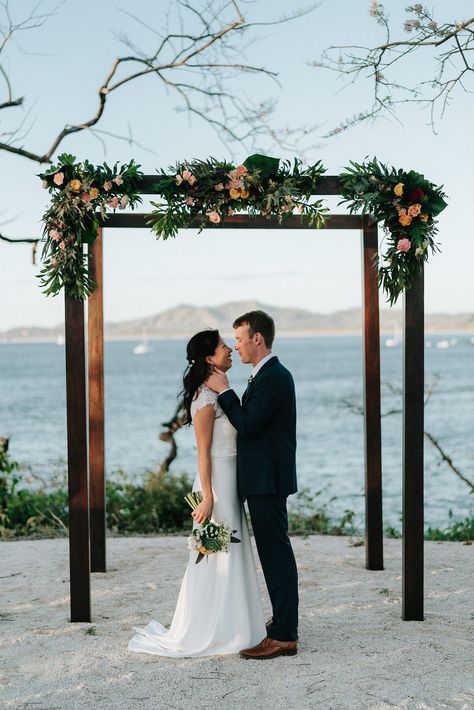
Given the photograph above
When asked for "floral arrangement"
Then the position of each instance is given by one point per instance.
(212, 537)
(406, 204)
(209, 191)
(81, 192)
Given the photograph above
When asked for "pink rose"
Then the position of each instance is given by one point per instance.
(58, 179)
(108, 186)
(414, 210)
(62, 245)
(123, 202)
(219, 187)
(214, 217)
(191, 179)
(234, 185)
(403, 245)
(118, 180)
(186, 174)
(189, 201)
(113, 203)
(86, 198)
(54, 234)
(241, 170)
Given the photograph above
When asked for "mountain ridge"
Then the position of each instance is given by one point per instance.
(184, 319)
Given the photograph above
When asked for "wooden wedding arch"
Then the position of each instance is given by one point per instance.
(85, 410)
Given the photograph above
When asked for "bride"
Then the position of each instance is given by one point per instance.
(219, 608)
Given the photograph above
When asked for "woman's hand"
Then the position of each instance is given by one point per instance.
(203, 511)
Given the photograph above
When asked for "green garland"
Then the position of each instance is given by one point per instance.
(406, 204)
(80, 193)
(209, 191)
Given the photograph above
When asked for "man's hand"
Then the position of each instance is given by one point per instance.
(217, 381)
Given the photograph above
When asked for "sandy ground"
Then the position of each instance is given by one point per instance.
(354, 650)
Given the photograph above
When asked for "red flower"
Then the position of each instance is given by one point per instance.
(416, 195)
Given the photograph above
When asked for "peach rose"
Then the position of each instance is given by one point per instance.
(241, 170)
(404, 220)
(179, 179)
(86, 198)
(118, 180)
(403, 245)
(244, 194)
(424, 217)
(234, 194)
(54, 234)
(189, 201)
(191, 180)
(62, 245)
(234, 185)
(58, 179)
(113, 203)
(219, 187)
(398, 189)
(108, 186)
(94, 192)
(123, 202)
(414, 210)
(214, 217)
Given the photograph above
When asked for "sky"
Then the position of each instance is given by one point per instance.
(59, 67)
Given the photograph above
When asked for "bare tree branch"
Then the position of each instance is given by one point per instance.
(196, 51)
(448, 45)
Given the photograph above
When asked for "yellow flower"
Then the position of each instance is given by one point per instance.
(398, 189)
(75, 185)
(404, 220)
(235, 194)
(424, 217)
(244, 194)
(94, 192)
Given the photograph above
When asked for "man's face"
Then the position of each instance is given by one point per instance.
(244, 344)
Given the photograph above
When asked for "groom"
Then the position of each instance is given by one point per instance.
(266, 473)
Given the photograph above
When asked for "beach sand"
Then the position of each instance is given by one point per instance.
(354, 649)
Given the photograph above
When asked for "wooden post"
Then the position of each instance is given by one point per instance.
(413, 425)
(372, 423)
(96, 411)
(79, 558)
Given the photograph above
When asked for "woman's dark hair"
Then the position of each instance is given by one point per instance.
(199, 347)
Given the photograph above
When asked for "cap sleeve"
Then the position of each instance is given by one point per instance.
(205, 397)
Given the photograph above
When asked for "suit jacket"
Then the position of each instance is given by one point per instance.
(266, 432)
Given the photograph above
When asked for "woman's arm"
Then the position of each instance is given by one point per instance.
(203, 421)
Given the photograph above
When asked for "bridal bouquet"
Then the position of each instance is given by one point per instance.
(211, 537)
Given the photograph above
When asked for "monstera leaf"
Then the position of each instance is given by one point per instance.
(266, 165)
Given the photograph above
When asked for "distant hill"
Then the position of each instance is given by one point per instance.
(183, 320)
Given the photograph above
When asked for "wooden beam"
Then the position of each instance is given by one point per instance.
(79, 557)
(239, 221)
(96, 411)
(372, 422)
(413, 425)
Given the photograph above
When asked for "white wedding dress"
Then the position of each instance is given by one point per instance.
(219, 609)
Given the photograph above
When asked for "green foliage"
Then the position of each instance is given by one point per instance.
(204, 192)
(80, 193)
(392, 196)
(456, 530)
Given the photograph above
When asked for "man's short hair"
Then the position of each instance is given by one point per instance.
(258, 322)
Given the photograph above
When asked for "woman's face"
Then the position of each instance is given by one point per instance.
(222, 357)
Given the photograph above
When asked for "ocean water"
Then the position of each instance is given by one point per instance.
(141, 393)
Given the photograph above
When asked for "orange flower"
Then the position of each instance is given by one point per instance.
(404, 220)
(244, 194)
(398, 189)
(234, 194)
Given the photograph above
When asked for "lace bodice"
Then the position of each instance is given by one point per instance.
(224, 438)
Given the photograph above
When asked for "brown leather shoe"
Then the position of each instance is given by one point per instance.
(270, 648)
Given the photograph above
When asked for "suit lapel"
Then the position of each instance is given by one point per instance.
(273, 361)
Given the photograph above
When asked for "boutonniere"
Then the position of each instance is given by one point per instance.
(250, 379)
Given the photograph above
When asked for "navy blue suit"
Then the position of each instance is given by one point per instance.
(266, 474)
